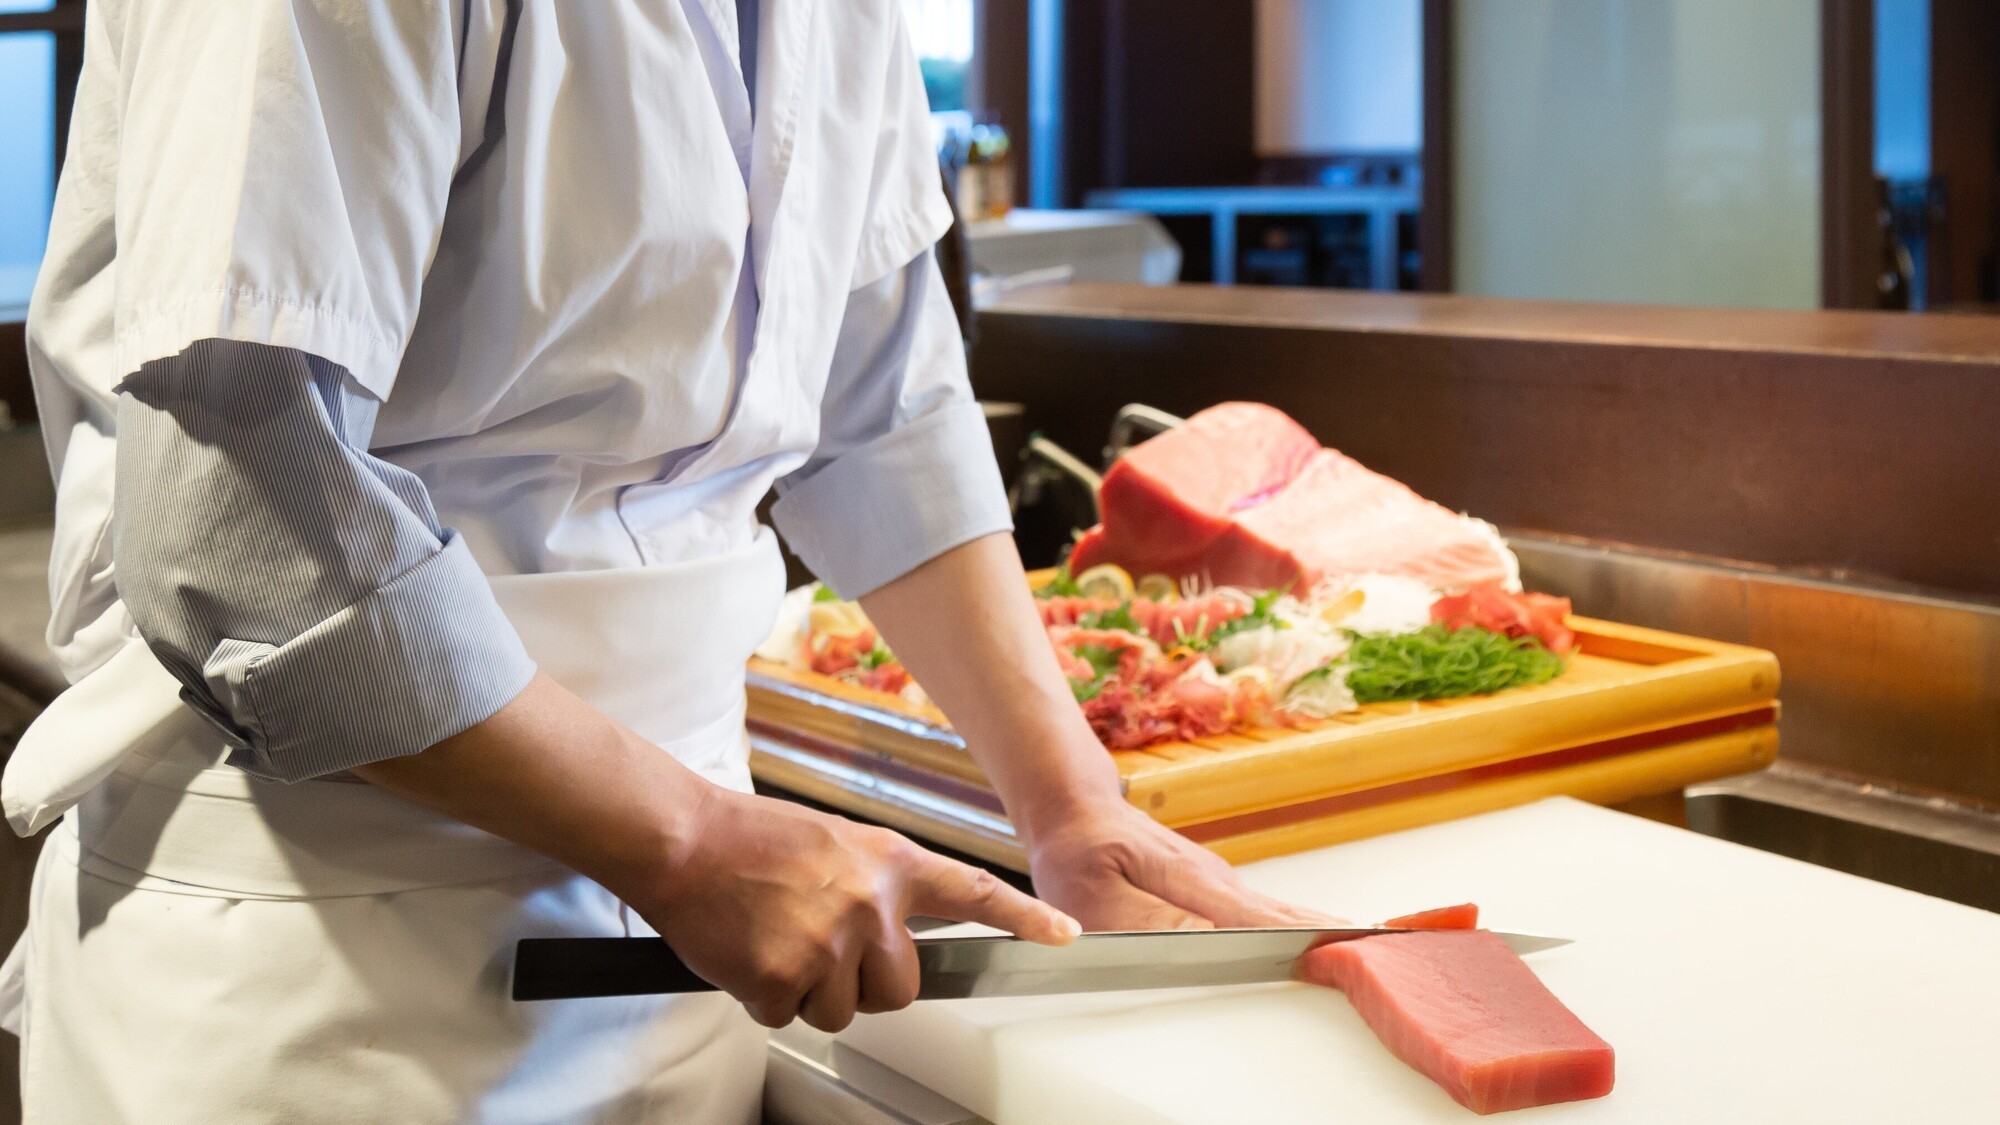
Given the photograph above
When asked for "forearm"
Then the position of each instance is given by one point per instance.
(553, 774)
(793, 912)
(965, 625)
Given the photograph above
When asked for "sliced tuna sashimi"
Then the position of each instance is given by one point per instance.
(1168, 498)
(1337, 518)
(1166, 622)
(1488, 606)
(1462, 917)
(1468, 1014)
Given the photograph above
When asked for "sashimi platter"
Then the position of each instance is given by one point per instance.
(1243, 577)
(1280, 649)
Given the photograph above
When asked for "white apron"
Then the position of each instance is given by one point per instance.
(255, 952)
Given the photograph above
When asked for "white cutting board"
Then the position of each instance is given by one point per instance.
(1735, 985)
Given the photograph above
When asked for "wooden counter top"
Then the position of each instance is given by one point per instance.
(1960, 338)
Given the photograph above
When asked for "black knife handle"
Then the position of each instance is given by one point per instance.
(576, 968)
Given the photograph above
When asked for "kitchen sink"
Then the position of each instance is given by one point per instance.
(1926, 844)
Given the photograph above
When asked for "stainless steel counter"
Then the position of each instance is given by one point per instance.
(816, 1081)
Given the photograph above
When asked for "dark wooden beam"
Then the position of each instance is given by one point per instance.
(14, 388)
(1435, 211)
(1965, 149)
(999, 83)
(69, 68)
(1850, 230)
(66, 16)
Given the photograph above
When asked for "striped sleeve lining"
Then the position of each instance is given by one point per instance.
(300, 589)
(390, 675)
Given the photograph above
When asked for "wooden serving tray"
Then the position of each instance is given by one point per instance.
(1628, 693)
(1645, 781)
(1625, 682)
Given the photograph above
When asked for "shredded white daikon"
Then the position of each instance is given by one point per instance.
(1321, 694)
(1285, 653)
(1390, 603)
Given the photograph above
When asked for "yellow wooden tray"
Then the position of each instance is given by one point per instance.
(1625, 683)
(983, 832)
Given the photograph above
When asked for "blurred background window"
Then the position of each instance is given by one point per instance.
(28, 137)
(941, 32)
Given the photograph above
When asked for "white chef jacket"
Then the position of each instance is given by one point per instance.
(596, 311)
(601, 309)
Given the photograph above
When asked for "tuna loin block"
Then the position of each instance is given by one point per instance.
(1461, 1008)
(1170, 497)
(1337, 518)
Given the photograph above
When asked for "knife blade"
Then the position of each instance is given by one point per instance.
(959, 967)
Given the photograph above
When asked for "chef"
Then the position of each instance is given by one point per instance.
(412, 371)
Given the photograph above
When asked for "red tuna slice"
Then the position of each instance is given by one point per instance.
(1462, 917)
(1337, 518)
(1488, 606)
(1468, 1014)
(1168, 498)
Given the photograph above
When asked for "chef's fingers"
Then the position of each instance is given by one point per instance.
(1253, 909)
(1219, 896)
(1129, 908)
(831, 1003)
(889, 975)
(782, 974)
(943, 888)
(1305, 915)
(774, 1013)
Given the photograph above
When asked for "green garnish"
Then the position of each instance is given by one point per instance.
(1323, 672)
(876, 657)
(1120, 618)
(1103, 662)
(1103, 659)
(1439, 663)
(1258, 617)
(825, 594)
(1060, 586)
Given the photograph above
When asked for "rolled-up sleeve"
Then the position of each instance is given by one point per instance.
(904, 470)
(300, 589)
(283, 171)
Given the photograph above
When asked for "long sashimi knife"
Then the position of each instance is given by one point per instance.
(955, 968)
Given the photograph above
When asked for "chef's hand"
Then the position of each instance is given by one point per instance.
(796, 913)
(1115, 868)
(966, 626)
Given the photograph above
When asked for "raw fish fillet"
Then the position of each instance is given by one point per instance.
(1170, 497)
(1338, 518)
(1241, 495)
(1466, 1012)
(1463, 917)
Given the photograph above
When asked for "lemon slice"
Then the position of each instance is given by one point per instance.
(1343, 607)
(1159, 588)
(1106, 580)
